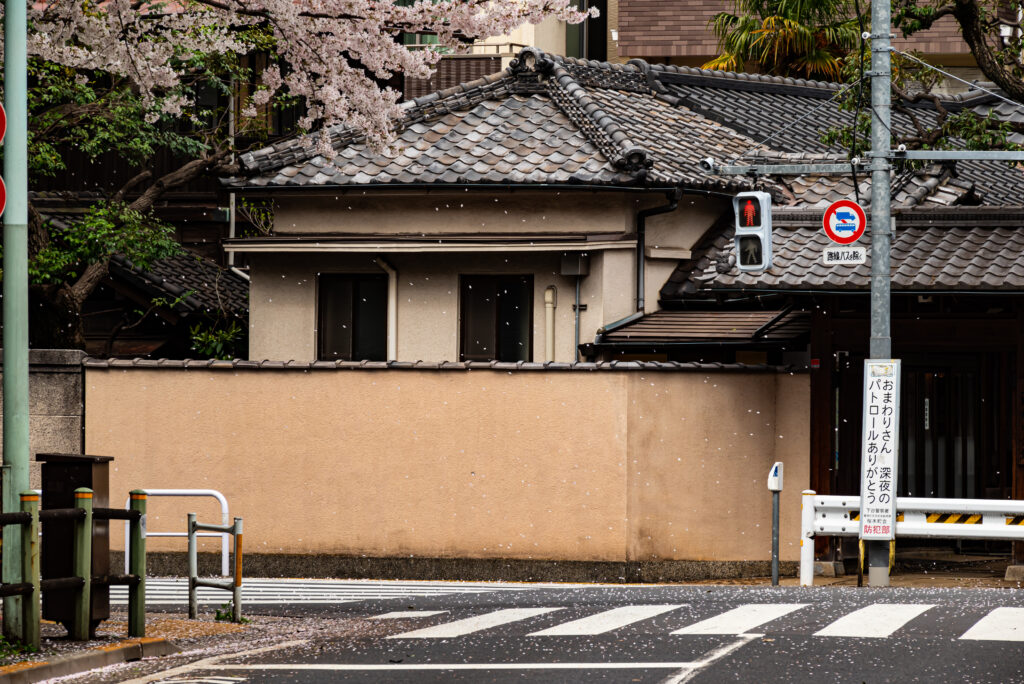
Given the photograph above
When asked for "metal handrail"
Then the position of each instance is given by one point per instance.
(224, 546)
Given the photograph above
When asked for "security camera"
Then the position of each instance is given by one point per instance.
(707, 165)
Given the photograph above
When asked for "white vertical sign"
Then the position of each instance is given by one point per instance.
(880, 449)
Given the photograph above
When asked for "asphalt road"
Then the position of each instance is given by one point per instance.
(645, 634)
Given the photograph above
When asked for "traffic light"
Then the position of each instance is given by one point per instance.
(753, 242)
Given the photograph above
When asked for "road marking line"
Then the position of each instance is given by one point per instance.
(689, 672)
(211, 663)
(456, 666)
(474, 624)
(1002, 624)
(398, 614)
(606, 621)
(741, 619)
(876, 621)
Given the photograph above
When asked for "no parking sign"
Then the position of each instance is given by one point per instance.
(844, 222)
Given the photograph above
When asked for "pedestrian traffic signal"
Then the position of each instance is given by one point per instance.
(753, 241)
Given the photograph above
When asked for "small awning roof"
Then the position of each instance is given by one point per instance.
(689, 327)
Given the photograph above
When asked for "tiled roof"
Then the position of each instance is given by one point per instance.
(666, 327)
(964, 250)
(450, 366)
(554, 120)
(196, 283)
(193, 282)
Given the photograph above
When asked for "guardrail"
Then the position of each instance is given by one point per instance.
(839, 516)
(32, 586)
(189, 492)
(233, 585)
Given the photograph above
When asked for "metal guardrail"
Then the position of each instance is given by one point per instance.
(221, 499)
(32, 586)
(233, 585)
(839, 516)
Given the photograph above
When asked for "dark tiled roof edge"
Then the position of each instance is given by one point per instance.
(241, 364)
(599, 127)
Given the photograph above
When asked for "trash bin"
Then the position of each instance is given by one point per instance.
(62, 474)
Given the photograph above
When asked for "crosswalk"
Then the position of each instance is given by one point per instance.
(876, 621)
(173, 591)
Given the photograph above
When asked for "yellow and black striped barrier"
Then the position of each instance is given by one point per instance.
(1015, 520)
(855, 515)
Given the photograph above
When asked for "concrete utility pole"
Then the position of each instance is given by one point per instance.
(15, 291)
(880, 346)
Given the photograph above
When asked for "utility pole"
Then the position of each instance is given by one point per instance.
(15, 294)
(880, 345)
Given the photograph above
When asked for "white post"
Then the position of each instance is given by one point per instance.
(807, 538)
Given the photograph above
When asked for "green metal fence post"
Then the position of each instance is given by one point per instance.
(137, 567)
(30, 570)
(83, 565)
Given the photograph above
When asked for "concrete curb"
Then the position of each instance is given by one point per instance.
(27, 672)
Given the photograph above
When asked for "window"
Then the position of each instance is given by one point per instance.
(352, 317)
(496, 316)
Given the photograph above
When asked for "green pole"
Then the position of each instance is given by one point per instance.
(29, 538)
(83, 565)
(137, 566)
(15, 292)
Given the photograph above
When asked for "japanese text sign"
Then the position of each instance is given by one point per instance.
(880, 449)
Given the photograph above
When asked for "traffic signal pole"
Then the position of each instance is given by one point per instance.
(880, 345)
(15, 296)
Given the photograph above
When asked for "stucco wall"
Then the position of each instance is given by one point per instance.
(55, 404)
(572, 465)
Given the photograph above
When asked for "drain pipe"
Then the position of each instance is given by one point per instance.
(392, 307)
(673, 198)
(550, 302)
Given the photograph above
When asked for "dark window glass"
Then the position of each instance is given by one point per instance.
(496, 315)
(352, 318)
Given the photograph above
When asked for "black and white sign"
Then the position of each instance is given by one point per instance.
(880, 454)
(839, 255)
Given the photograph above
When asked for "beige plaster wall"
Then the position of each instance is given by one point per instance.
(609, 465)
(700, 448)
(447, 213)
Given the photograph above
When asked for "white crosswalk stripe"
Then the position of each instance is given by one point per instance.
(876, 621)
(1002, 624)
(606, 621)
(476, 623)
(741, 619)
(174, 591)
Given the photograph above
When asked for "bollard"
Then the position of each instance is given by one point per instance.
(775, 487)
(137, 567)
(193, 568)
(83, 565)
(30, 604)
(236, 590)
(807, 538)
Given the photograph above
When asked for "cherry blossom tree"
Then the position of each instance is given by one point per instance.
(123, 76)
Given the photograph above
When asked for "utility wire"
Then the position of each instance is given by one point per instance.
(797, 120)
(957, 78)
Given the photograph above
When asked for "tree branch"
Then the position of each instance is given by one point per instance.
(990, 59)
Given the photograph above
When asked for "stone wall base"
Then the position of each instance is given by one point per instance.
(175, 564)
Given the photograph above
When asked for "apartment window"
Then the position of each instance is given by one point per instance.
(496, 316)
(352, 314)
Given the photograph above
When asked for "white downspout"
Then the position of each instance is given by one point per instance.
(392, 307)
(550, 302)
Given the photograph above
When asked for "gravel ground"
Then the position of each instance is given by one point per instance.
(197, 639)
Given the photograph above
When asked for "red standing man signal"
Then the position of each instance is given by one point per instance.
(750, 214)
